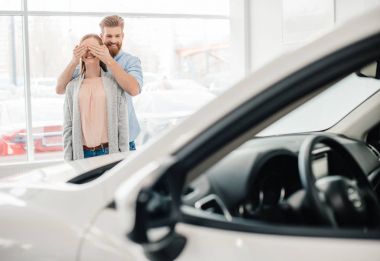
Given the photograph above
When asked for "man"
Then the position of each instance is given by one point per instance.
(123, 67)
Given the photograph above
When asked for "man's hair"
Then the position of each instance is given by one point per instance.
(112, 21)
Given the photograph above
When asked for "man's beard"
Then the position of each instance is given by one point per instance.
(114, 51)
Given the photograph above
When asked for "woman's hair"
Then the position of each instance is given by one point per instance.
(96, 37)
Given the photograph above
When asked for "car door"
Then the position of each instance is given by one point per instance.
(152, 205)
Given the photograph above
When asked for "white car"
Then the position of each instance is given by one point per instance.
(228, 183)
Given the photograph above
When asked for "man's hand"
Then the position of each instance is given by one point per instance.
(78, 52)
(101, 52)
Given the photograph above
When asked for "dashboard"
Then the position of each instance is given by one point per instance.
(261, 175)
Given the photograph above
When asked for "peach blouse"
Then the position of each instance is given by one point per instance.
(93, 112)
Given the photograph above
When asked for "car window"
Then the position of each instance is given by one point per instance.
(327, 108)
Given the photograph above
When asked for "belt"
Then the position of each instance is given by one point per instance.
(101, 146)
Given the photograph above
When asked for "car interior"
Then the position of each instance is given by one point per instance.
(328, 176)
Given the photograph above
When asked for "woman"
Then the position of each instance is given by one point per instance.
(95, 116)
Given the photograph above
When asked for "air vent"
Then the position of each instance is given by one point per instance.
(374, 151)
(188, 191)
(213, 204)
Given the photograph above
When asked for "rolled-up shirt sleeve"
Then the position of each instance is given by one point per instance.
(134, 69)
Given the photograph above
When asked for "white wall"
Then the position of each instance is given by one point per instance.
(239, 38)
(349, 8)
(267, 28)
(266, 31)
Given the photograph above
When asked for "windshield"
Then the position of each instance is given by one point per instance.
(327, 108)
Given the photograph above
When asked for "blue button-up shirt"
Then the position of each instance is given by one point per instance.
(132, 65)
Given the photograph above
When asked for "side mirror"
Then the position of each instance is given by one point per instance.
(168, 247)
(371, 71)
(148, 205)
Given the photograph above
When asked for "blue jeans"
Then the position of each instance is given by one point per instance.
(94, 153)
(99, 152)
(132, 145)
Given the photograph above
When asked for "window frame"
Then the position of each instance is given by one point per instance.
(25, 13)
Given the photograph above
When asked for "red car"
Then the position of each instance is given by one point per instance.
(46, 139)
(47, 127)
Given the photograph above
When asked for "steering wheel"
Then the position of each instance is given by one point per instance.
(340, 200)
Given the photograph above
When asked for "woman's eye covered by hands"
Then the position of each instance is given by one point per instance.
(95, 48)
(89, 48)
(93, 45)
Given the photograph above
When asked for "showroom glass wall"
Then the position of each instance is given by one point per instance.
(184, 48)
